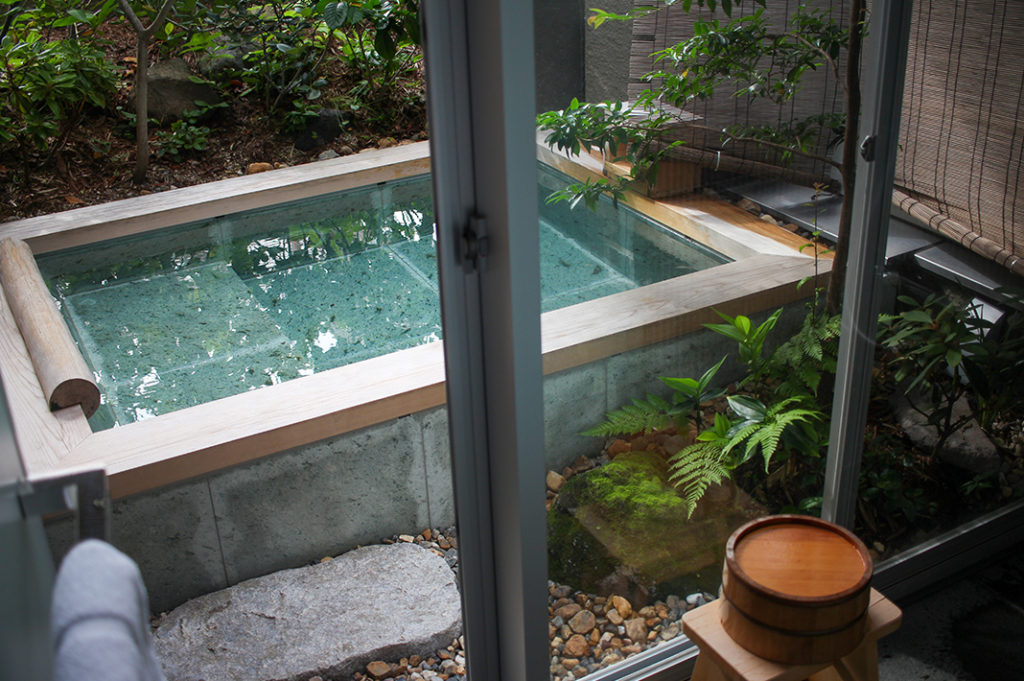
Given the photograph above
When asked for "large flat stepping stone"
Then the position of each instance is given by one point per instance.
(328, 620)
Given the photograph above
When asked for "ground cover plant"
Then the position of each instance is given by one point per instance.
(69, 132)
(768, 430)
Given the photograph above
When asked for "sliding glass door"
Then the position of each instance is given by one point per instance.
(609, 330)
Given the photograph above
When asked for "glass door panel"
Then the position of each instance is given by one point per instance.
(743, 321)
(690, 348)
(943, 430)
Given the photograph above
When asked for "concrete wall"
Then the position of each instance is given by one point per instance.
(295, 507)
(575, 60)
(284, 510)
(607, 53)
(558, 52)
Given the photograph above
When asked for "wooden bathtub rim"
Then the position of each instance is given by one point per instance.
(135, 215)
(730, 230)
(137, 462)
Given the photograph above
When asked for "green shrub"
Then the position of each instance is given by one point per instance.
(379, 40)
(931, 343)
(46, 85)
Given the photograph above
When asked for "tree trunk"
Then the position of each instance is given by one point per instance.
(141, 108)
(837, 279)
(143, 35)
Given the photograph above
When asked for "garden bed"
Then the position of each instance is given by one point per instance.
(91, 158)
(680, 471)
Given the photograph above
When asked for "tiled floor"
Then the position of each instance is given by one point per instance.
(971, 629)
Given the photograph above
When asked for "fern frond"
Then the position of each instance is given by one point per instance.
(812, 348)
(767, 438)
(641, 416)
(770, 434)
(694, 469)
(801, 361)
(739, 436)
(809, 377)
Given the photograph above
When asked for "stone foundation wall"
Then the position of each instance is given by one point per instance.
(295, 507)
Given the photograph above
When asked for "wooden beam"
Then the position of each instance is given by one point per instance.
(715, 223)
(64, 376)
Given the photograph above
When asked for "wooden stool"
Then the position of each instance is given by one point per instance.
(722, 659)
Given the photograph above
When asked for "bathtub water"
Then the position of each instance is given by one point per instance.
(189, 314)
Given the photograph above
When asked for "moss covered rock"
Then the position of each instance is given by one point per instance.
(622, 528)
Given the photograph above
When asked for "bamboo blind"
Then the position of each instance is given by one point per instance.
(962, 138)
(960, 165)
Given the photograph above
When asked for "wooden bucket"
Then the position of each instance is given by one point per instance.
(795, 589)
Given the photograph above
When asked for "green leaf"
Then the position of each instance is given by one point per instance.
(684, 385)
(412, 30)
(336, 14)
(384, 44)
(728, 330)
(810, 504)
(747, 407)
(80, 16)
(918, 316)
(708, 375)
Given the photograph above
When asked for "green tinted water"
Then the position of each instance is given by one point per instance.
(197, 312)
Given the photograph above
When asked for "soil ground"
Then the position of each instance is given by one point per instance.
(95, 161)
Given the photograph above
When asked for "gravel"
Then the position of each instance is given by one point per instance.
(586, 632)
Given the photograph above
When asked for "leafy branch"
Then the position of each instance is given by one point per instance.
(729, 444)
(750, 339)
(747, 59)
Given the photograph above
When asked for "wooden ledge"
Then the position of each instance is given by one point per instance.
(590, 331)
(718, 224)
